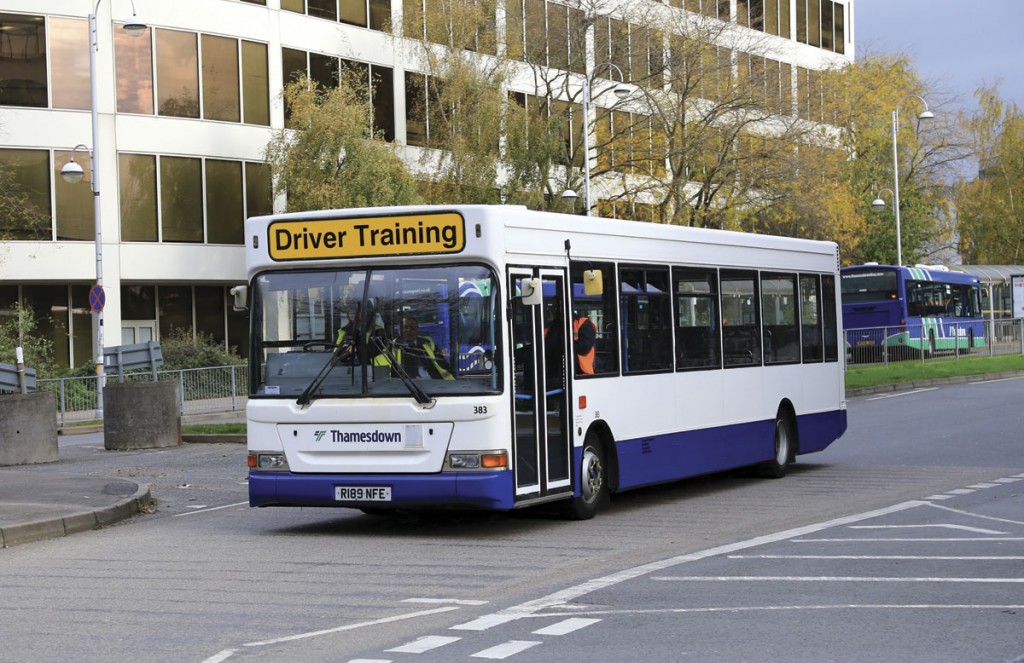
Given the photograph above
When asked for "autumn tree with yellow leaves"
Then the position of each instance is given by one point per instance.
(991, 206)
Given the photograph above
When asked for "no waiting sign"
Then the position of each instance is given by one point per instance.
(97, 298)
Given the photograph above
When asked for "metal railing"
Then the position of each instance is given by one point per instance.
(934, 340)
(200, 390)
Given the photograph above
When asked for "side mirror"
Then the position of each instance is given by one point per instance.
(533, 292)
(593, 283)
(241, 297)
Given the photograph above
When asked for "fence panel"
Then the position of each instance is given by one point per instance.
(934, 341)
(201, 390)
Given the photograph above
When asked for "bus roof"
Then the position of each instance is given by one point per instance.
(918, 273)
(531, 237)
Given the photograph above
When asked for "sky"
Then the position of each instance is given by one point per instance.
(955, 45)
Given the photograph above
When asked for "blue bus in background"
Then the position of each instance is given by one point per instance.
(909, 311)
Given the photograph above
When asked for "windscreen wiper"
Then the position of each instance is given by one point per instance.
(332, 361)
(421, 396)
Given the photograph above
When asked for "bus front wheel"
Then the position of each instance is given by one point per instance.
(594, 492)
(776, 467)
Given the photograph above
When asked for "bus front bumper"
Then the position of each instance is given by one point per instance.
(465, 490)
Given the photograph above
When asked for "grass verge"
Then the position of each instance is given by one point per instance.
(213, 429)
(911, 371)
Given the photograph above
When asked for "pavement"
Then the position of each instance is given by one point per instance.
(51, 500)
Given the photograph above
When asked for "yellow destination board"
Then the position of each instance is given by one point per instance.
(319, 239)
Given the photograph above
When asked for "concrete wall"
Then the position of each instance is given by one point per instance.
(141, 415)
(28, 428)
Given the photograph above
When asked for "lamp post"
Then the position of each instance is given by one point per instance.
(72, 173)
(621, 90)
(924, 115)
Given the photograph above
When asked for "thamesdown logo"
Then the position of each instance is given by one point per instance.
(359, 437)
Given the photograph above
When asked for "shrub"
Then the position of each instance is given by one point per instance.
(181, 350)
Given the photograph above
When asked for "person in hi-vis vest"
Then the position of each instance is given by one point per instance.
(418, 354)
(584, 338)
(351, 345)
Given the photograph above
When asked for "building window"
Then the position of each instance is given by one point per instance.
(235, 85)
(69, 73)
(23, 60)
(74, 202)
(26, 195)
(225, 204)
(177, 73)
(373, 14)
(233, 191)
(181, 199)
(134, 64)
(221, 99)
(255, 84)
(137, 180)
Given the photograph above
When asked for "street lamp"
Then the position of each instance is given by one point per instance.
(924, 115)
(621, 90)
(72, 173)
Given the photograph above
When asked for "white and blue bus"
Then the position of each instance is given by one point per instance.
(709, 350)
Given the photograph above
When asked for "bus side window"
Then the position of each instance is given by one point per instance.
(599, 310)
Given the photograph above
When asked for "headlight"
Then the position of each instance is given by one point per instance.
(268, 461)
(477, 460)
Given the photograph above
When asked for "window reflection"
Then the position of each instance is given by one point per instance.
(134, 62)
(137, 178)
(177, 73)
(69, 48)
(75, 218)
(27, 177)
(22, 61)
(220, 79)
(181, 199)
(225, 213)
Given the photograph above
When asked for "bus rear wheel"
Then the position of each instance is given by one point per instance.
(776, 467)
(594, 492)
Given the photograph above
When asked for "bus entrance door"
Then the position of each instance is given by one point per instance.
(542, 446)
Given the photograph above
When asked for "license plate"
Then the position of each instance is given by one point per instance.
(362, 493)
(865, 342)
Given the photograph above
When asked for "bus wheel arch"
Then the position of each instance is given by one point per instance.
(598, 474)
(786, 443)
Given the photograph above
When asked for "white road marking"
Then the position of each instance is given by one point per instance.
(964, 528)
(978, 539)
(960, 491)
(978, 558)
(445, 601)
(370, 660)
(424, 644)
(902, 393)
(216, 508)
(502, 651)
(939, 497)
(977, 515)
(994, 380)
(559, 598)
(832, 579)
(221, 656)
(1007, 480)
(984, 485)
(348, 627)
(486, 622)
(775, 608)
(566, 626)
